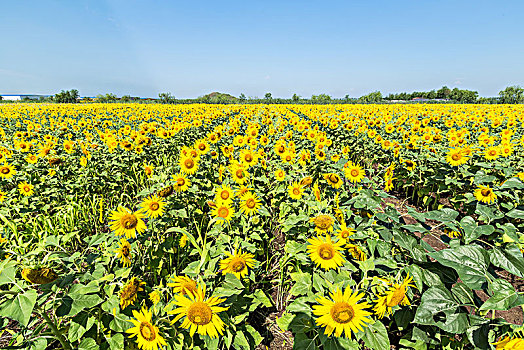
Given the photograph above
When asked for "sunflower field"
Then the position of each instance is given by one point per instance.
(143, 226)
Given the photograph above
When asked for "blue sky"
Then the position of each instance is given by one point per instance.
(192, 48)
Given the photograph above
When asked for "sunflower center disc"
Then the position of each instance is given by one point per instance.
(296, 191)
(129, 221)
(250, 203)
(248, 158)
(223, 212)
(180, 182)
(342, 312)
(154, 206)
(326, 252)
(199, 313)
(5, 170)
(147, 331)
(238, 265)
(240, 173)
(354, 172)
(485, 192)
(455, 157)
(189, 163)
(333, 178)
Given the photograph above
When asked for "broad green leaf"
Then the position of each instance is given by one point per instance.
(116, 342)
(7, 272)
(504, 297)
(469, 261)
(20, 307)
(516, 213)
(376, 336)
(434, 300)
(509, 259)
(303, 342)
(88, 344)
(240, 341)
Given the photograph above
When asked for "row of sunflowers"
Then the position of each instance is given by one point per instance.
(129, 226)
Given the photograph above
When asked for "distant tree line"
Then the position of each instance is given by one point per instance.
(510, 95)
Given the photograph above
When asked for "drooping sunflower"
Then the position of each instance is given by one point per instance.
(356, 252)
(344, 233)
(25, 189)
(316, 192)
(295, 190)
(223, 211)
(323, 223)
(182, 285)
(237, 263)
(324, 253)
(166, 191)
(410, 164)
(306, 181)
(148, 170)
(395, 295)
(354, 173)
(189, 165)
(129, 293)
(155, 297)
(182, 183)
(146, 333)
(200, 313)
(485, 194)
(343, 313)
(7, 171)
(124, 252)
(127, 223)
(456, 157)
(334, 180)
(41, 275)
(2, 196)
(250, 203)
(224, 193)
(153, 206)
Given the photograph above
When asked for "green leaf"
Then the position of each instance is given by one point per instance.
(469, 261)
(504, 297)
(472, 231)
(513, 183)
(376, 336)
(434, 300)
(116, 342)
(88, 344)
(509, 259)
(7, 272)
(516, 213)
(262, 298)
(302, 284)
(285, 320)
(443, 215)
(303, 342)
(20, 307)
(240, 341)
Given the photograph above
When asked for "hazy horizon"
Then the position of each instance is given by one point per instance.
(308, 48)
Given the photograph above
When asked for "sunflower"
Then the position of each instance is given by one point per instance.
(237, 263)
(333, 180)
(409, 164)
(491, 153)
(200, 314)
(148, 170)
(250, 203)
(129, 293)
(224, 193)
(306, 181)
(7, 171)
(343, 313)
(25, 189)
(182, 285)
(31, 159)
(456, 157)
(42, 275)
(280, 174)
(323, 223)
(324, 253)
(388, 185)
(354, 173)
(508, 343)
(344, 232)
(239, 174)
(202, 147)
(166, 191)
(295, 190)
(356, 252)
(146, 333)
(248, 158)
(316, 192)
(223, 211)
(395, 295)
(153, 206)
(188, 165)
(126, 223)
(155, 297)
(124, 252)
(485, 194)
(182, 183)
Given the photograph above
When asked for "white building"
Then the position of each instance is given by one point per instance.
(20, 97)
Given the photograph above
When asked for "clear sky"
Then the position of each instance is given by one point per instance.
(191, 48)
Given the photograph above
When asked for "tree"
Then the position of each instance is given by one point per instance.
(268, 96)
(444, 92)
(166, 97)
(1, 98)
(242, 97)
(373, 97)
(512, 94)
(125, 98)
(347, 97)
(107, 98)
(66, 96)
(295, 98)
